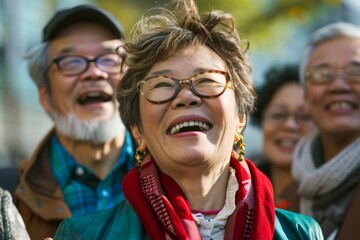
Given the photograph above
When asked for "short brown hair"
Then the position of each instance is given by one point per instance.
(177, 26)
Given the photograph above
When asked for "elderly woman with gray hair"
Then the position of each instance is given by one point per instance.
(327, 163)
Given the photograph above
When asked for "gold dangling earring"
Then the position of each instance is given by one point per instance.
(139, 156)
(239, 140)
(241, 149)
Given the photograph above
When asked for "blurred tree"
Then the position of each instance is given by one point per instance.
(266, 24)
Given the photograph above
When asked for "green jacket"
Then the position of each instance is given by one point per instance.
(122, 222)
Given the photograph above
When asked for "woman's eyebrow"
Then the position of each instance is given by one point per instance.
(168, 71)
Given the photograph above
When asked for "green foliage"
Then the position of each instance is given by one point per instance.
(267, 24)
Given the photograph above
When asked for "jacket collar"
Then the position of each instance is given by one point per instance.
(38, 187)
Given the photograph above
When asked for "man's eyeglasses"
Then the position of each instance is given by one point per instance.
(279, 117)
(162, 88)
(70, 65)
(325, 74)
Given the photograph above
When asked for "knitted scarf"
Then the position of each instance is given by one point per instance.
(12, 225)
(166, 214)
(332, 176)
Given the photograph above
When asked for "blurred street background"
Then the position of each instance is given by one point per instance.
(277, 31)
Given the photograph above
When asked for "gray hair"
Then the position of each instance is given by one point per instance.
(37, 58)
(331, 31)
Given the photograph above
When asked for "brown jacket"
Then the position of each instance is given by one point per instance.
(40, 200)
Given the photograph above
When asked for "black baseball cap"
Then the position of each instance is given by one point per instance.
(81, 13)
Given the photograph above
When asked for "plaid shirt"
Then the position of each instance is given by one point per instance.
(83, 191)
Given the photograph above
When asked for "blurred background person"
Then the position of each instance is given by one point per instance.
(78, 166)
(327, 163)
(283, 119)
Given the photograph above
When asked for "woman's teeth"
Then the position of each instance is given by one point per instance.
(190, 124)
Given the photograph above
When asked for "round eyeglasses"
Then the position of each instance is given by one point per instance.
(70, 65)
(162, 88)
(279, 117)
(325, 74)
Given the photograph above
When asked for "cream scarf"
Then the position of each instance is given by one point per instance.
(316, 182)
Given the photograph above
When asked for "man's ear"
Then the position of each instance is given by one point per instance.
(138, 138)
(44, 99)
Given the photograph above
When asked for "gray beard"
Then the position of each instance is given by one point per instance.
(93, 130)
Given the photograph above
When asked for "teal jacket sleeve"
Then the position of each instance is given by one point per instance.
(120, 222)
(290, 225)
(66, 231)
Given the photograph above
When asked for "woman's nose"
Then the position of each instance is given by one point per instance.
(291, 122)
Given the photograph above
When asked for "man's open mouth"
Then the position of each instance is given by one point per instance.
(94, 97)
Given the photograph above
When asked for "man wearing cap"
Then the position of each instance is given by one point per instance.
(78, 167)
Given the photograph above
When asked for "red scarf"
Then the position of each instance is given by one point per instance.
(165, 212)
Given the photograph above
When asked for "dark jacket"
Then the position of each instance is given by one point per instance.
(9, 179)
(349, 230)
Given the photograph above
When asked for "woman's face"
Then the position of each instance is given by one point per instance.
(209, 145)
(335, 105)
(285, 121)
